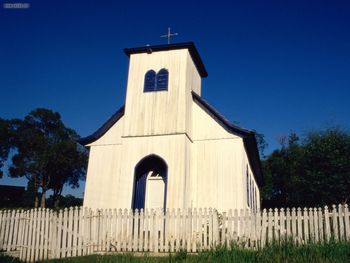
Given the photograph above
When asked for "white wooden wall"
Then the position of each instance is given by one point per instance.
(206, 163)
(39, 234)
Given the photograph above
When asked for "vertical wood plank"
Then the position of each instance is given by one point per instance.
(129, 230)
(199, 230)
(299, 219)
(146, 227)
(194, 231)
(46, 233)
(31, 235)
(81, 225)
(327, 224)
(335, 222)
(276, 225)
(24, 246)
(347, 222)
(119, 229)
(288, 224)
(315, 217)
(65, 232)
(75, 231)
(42, 217)
(320, 224)
(235, 225)
(270, 226)
(294, 224)
(2, 228)
(258, 229)
(15, 230)
(59, 234)
(162, 230)
(10, 230)
(189, 230)
(263, 228)
(136, 230)
(311, 225)
(210, 244)
(142, 231)
(34, 237)
(306, 224)
(341, 222)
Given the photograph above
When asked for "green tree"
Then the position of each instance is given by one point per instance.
(48, 154)
(310, 172)
(5, 142)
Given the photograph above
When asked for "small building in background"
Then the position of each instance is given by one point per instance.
(11, 196)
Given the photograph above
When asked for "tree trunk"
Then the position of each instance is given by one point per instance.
(56, 203)
(43, 198)
(36, 200)
(56, 196)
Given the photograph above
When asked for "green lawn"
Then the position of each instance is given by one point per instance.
(332, 252)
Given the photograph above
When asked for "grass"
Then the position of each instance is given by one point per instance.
(332, 252)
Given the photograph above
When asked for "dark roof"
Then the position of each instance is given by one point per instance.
(104, 128)
(187, 45)
(248, 136)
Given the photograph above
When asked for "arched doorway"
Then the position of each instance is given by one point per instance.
(150, 183)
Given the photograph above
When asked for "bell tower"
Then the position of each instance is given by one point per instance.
(160, 81)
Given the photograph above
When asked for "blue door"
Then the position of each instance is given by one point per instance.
(151, 163)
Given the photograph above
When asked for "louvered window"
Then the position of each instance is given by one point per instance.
(150, 81)
(162, 79)
(156, 82)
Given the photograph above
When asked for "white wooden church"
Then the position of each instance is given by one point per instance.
(167, 147)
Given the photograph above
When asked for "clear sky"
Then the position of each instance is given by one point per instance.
(274, 66)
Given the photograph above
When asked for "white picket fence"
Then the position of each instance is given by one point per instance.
(39, 234)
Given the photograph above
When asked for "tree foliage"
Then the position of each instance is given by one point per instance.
(310, 172)
(47, 153)
(5, 142)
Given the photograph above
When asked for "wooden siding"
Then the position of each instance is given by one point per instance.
(161, 112)
(110, 176)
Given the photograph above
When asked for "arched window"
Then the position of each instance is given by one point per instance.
(150, 81)
(156, 82)
(162, 79)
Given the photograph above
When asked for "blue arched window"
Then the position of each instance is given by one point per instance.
(162, 79)
(156, 82)
(150, 81)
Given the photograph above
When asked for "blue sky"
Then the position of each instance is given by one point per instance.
(274, 66)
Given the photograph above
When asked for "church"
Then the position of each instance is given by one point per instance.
(167, 147)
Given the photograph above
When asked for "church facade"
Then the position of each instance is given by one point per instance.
(167, 147)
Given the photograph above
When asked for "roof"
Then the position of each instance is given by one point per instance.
(104, 128)
(187, 45)
(248, 136)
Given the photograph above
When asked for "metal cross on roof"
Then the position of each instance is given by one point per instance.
(169, 35)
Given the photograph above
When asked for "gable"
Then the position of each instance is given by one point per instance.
(206, 127)
(248, 136)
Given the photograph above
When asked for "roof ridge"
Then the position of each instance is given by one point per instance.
(219, 117)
